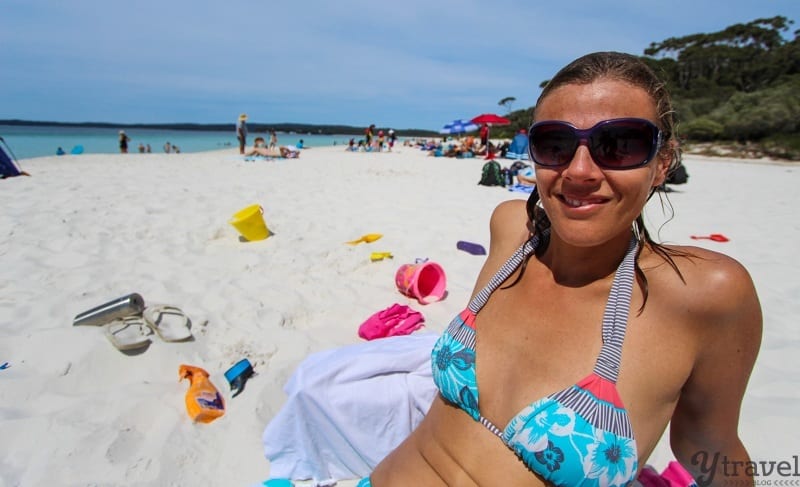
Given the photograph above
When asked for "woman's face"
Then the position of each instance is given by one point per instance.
(586, 204)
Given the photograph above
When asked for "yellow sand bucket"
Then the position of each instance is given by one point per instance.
(250, 223)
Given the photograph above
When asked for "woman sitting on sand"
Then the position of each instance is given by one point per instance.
(576, 297)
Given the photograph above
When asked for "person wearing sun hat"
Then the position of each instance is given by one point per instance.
(123, 142)
(241, 132)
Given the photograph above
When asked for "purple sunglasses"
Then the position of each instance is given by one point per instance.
(620, 143)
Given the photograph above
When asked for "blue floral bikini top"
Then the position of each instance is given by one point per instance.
(580, 436)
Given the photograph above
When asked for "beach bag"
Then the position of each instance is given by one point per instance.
(492, 175)
(678, 175)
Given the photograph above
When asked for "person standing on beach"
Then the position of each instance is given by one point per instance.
(241, 132)
(368, 134)
(167, 147)
(123, 142)
(273, 139)
(484, 134)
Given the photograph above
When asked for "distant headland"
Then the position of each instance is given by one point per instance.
(300, 128)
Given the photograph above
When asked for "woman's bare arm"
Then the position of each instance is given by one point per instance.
(704, 429)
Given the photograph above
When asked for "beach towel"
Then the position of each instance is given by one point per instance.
(521, 188)
(257, 158)
(349, 407)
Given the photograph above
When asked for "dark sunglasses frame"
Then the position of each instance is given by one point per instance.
(649, 133)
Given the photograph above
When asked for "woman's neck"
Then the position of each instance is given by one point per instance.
(580, 266)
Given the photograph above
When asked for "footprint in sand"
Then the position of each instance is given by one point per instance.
(125, 446)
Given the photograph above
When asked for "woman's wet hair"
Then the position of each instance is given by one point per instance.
(630, 69)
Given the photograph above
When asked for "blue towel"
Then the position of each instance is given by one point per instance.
(521, 188)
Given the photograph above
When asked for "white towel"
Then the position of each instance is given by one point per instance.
(349, 407)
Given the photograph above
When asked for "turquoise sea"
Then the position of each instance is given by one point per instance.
(29, 142)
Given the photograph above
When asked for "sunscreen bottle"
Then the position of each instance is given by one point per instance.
(204, 403)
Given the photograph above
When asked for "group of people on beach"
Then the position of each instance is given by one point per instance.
(143, 148)
(372, 142)
(576, 297)
(260, 146)
(459, 147)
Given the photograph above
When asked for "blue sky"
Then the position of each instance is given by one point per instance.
(404, 64)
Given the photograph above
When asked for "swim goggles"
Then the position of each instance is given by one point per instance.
(620, 143)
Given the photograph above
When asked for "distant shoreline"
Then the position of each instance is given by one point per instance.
(300, 128)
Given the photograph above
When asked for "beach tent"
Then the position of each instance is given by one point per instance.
(519, 147)
(8, 165)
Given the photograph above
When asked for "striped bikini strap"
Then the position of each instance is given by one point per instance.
(615, 317)
(506, 270)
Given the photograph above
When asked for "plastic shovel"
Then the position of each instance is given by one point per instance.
(717, 237)
(376, 256)
(370, 237)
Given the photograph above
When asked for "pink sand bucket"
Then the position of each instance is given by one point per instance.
(424, 281)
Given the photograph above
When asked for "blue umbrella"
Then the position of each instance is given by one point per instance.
(458, 127)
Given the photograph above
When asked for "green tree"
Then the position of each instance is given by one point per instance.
(507, 102)
(738, 84)
(743, 56)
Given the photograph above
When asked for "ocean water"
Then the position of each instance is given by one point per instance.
(29, 142)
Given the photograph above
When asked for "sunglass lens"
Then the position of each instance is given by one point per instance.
(622, 144)
(553, 144)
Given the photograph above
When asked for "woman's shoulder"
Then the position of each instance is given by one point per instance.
(703, 267)
(710, 286)
(508, 229)
(509, 225)
(514, 210)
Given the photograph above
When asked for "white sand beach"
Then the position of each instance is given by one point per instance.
(86, 229)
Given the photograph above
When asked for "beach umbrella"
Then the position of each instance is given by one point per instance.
(458, 126)
(491, 119)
